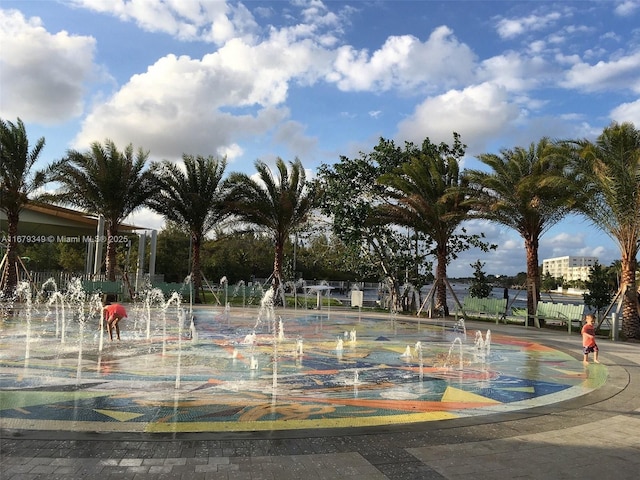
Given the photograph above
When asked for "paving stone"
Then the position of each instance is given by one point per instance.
(587, 437)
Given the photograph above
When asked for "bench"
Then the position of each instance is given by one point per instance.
(103, 287)
(484, 306)
(565, 313)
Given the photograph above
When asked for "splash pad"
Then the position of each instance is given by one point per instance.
(222, 369)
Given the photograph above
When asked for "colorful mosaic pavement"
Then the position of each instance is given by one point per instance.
(235, 373)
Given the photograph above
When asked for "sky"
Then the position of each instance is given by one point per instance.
(320, 80)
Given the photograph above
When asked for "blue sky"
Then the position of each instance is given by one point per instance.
(317, 80)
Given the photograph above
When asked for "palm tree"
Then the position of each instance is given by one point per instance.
(278, 206)
(526, 189)
(105, 181)
(426, 195)
(610, 170)
(193, 198)
(18, 185)
(615, 272)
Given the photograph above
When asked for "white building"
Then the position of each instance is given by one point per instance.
(569, 268)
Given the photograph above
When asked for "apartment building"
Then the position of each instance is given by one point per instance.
(569, 268)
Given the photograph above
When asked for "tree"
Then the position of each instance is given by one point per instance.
(350, 197)
(599, 292)
(529, 190)
(615, 272)
(71, 256)
(426, 194)
(609, 171)
(18, 186)
(238, 256)
(326, 256)
(192, 197)
(172, 252)
(278, 206)
(105, 181)
(548, 282)
(480, 286)
(45, 256)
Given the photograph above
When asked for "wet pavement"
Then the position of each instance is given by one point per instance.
(587, 433)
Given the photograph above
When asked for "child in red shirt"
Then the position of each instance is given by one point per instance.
(113, 313)
(589, 340)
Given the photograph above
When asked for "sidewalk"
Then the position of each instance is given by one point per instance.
(596, 436)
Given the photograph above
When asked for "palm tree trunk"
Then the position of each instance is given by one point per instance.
(12, 257)
(441, 276)
(196, 272)
(533, 277)
(277, 267)
(112, 233)
(630, 318)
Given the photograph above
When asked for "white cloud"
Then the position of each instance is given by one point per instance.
(561, 242)
(627, 112)
(477, 113)
(512, 27)
(231, 152)
(181, 104)
(508, 259)
(43, 75)
(314, 12)
(169, 130)
(292, 135)
(146, 218)
(510, 256)
(626, 8)
(211, 21)
(619, 73)
(611, 36)
(515, 71)
(576, 237)
(405, 63)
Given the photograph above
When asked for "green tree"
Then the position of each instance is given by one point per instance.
(191, 197)
(54, 256)
(526, 189)
(172, 253)
(350, 197)
(548, 282)
(599, 294)
(277, 205)
(520, 279)
(325, 256)
(615, 272)
(609, 170)
(18, 184)
(426, 193)
(105, 181)
(71, 256)
(238, 256)
(44, 255)
(480, 286)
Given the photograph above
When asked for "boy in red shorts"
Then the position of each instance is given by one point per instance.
(589, 340)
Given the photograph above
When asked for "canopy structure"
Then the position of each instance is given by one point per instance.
(40, 219)
(319, 289)
(40, 222)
